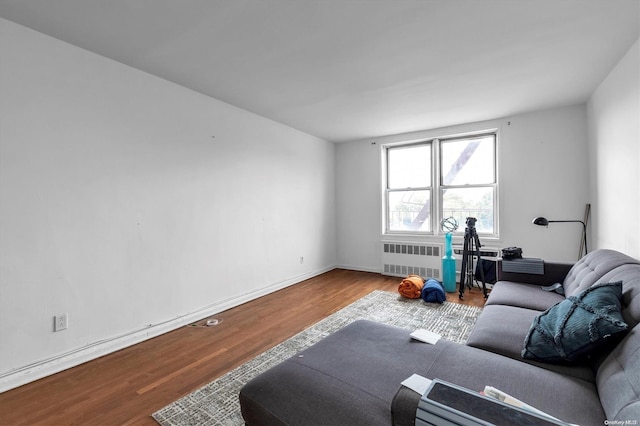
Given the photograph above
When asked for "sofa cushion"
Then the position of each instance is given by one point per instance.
(527, 296)
(502, 329)
(629, 274)
(592, 268)
(618, 380)
(577, 326)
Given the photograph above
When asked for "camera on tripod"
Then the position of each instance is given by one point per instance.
(471, 222)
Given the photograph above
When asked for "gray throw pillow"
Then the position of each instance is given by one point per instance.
(577, 326)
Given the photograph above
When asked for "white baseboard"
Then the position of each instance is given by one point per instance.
(29, 373)
(360, 268)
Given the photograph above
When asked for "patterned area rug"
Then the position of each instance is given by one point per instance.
(217, 403)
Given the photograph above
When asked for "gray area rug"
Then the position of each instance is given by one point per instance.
(217, 403)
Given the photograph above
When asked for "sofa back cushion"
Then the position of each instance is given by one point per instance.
(593, 268)
(618, 380)
(607, 266)
(630, 276)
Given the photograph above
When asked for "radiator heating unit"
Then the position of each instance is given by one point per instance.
(400, 259)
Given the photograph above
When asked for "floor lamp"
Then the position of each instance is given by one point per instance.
(542, 221)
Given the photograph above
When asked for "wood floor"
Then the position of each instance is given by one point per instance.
(127, 386)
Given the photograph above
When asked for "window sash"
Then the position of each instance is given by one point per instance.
(406, 215)
(465, 156)
(417, 180)
(487, 216)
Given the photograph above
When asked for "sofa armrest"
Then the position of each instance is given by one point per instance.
(554, 272)
(404, 406)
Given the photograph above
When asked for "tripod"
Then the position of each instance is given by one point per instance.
(470, 249)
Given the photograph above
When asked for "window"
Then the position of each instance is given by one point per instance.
(441, 178)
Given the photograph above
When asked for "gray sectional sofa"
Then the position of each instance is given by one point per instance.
(353, 376)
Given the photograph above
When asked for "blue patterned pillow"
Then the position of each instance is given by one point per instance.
(577, 326)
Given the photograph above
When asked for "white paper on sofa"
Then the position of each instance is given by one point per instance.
(425, 336)
(417, 383)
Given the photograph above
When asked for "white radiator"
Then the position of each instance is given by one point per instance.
(400, 259)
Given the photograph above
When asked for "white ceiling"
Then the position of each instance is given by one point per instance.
(352, 69)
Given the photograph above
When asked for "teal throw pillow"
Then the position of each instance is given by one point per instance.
(579, 325)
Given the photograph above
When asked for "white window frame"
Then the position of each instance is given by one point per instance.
(437, 187)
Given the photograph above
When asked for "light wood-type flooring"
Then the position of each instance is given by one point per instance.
(125, 387)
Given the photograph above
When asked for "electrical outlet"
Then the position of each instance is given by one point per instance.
(301, 260)
(60, 322)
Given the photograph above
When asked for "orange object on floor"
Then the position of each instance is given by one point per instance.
(411, 287)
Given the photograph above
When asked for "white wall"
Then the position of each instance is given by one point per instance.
(120, 209)
(542, 169)
(614, 156)
(358, 206)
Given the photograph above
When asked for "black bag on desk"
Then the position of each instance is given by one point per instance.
(512, 253)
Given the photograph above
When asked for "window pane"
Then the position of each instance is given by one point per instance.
(409, 167)
(468, 161)
(461, 203)
(410, 211)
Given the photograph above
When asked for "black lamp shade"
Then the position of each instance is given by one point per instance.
(542, 221)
